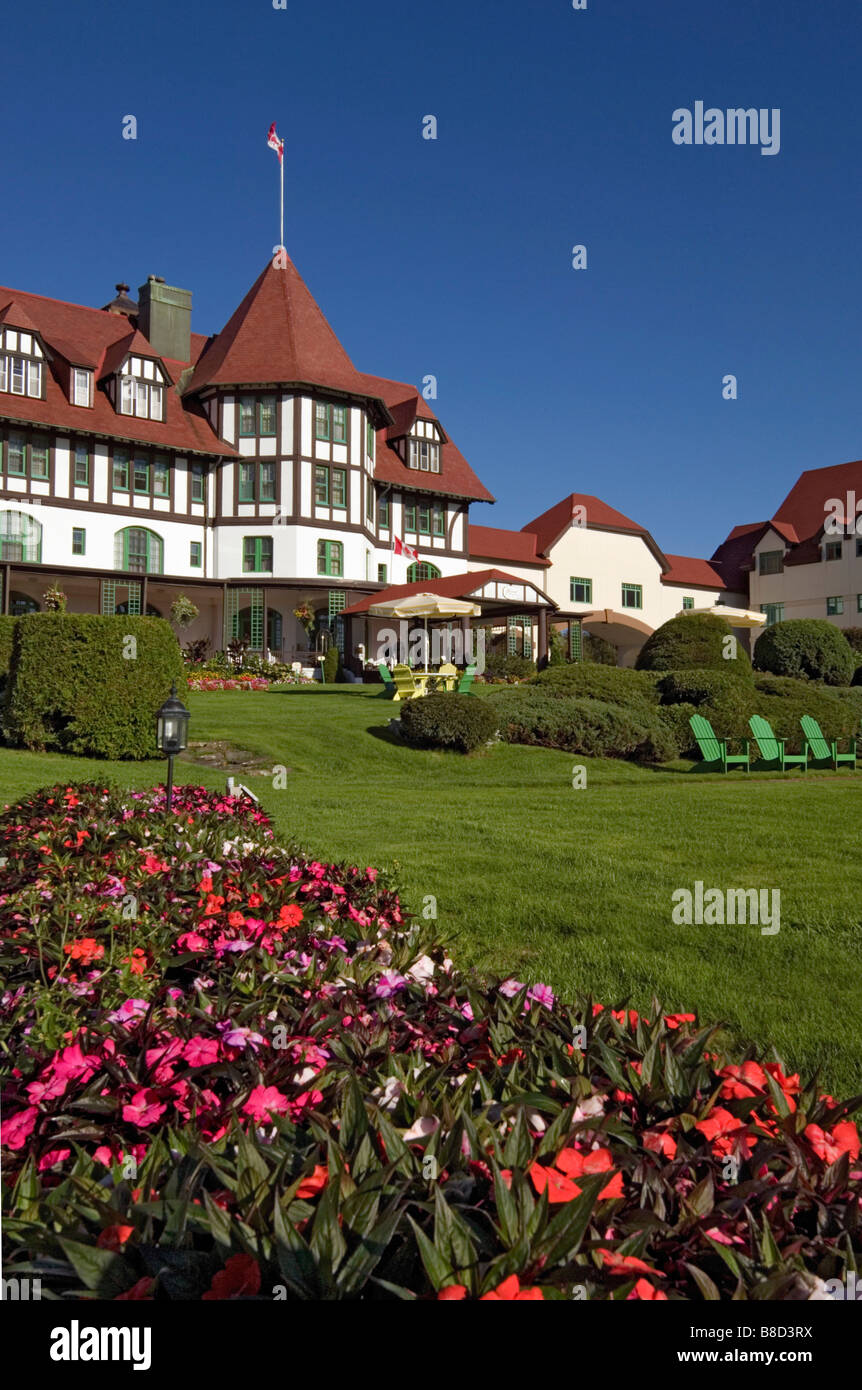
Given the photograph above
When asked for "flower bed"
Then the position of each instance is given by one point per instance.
(238, 1072)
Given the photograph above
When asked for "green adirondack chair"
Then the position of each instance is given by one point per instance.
(715, 750)
(772, 749)
(823, 750)
(466, 681)
(405, 686)
(385, 676)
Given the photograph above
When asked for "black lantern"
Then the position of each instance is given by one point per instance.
(172, 727)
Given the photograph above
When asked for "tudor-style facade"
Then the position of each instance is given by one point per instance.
(253, 471)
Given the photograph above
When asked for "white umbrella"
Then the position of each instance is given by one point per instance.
(737, 617)
(425, 606)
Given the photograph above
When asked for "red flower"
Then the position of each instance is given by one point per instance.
(844, 1139)
(140, 1292)
(570, 1164)
(510, 1291)
(646, 1291)
(676, 1020)
(315, 1182)
(625, 1264)
(114, 1237)
(453, 1293)
(254, 899)
(741, 1083)
(290, 916)
(659, 1142)
(239, 1279)
(86, 950)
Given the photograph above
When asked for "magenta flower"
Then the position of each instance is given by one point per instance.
(265, 1101)
(390, 983)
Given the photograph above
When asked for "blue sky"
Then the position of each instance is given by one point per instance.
(453, 256)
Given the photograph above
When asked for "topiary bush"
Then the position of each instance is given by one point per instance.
(783, 701)
(696, 640)
(460, 722)
(807, 648)
(7, 632)
(598, 650)
(552, 718)
(616, 684)
(80, 683)
(854, 636)
(676, 720)
(500, 666)
(331, 666)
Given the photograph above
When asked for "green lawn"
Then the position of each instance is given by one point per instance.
(569, 887)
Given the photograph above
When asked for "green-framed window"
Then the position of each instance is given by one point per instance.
(770, 562)
(859, 603)
(140, 550)
(580, 590)
(266, 415)
(196, 481)
(410, 516)
(424, 520)
(256, 482)
(40, 454)
(369, 500)
(774, 613)
(161, 477)
(369, 438)
(81, 466)
(422, 569)
(247, 479)
(832, 550)
(79, 540)
(687, 602)
(120, 471)
(256, 553)
(20, 538)
(247, 413)
(632, 596)
(835, 606)
(339, 424)
(266, 481)
(438, 521)
(383, 575)
(16, 454)
(322, 420)
(195, 554)
(383, 513)
(339, 488)
(321, 485)
(141, 475)
(330, 558)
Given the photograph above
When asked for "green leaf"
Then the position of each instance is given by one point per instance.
(704, 1283)
(295, 1261)
(357, 1269)
(519, 1149)
(565, 1232)
(354, 1120)
(103, 1271)
(438, 1271)
(507, 1210)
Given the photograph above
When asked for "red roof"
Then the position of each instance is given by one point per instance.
(450, 586)
(733, 557)
(804, 511)
(685, 569)
(85, 337)
(491, 543)
(552, 523)
(278, 334)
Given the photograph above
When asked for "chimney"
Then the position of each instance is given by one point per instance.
(165, 318)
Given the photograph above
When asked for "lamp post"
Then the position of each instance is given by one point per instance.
(172, 726)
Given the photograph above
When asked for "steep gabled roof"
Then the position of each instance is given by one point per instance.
(278, 334)
(732, 558)
(85, 337)
(15, 314)
(116, 354)
(805, 508)
(553, 523)
(518, 547)
(695, 573)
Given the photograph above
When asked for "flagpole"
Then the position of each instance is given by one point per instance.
(281, 167)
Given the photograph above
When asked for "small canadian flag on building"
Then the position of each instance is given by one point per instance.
(274, 143)
(401, 548)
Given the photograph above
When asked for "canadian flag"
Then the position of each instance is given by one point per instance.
(274, 143)
(402, 549)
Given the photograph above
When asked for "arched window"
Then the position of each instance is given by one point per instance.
(20, 537)
(422, 570)
(19, 604)
(138, 550)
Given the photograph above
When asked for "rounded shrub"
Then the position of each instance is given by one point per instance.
(783, 701)
(676, 718)
(596, 728)
(503, 667)
(617, 684)
(461, 722)
(695, 640)
(806, 648)
(854, 636)
(598, 650)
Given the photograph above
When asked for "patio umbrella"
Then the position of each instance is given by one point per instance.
(737, 617)
(425, 606)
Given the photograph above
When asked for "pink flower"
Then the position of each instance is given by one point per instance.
(144, 1108)
(49, 1159)
(540, 994)
(201, 1052)
(17, 1130)
(390, 983)
(264, 1101)
(509, 988)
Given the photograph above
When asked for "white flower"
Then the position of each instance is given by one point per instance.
(423, 970)
(388, 1094)
(421, 1128)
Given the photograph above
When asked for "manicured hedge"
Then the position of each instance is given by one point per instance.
(453, 721)
(810, 648)
(600, 651)
(71, 687)
(728, 704)
(694, 640)
(7, 631)
(552, 718)
(501, 666)
(616, 684)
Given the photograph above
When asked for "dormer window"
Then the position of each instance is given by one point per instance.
(20, 373)
(424, 455)
(142, 389)
(81, 386)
